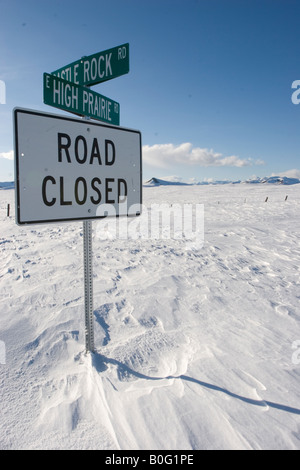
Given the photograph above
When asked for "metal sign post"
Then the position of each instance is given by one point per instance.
(88, 285)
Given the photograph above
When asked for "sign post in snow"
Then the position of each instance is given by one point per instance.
(88, 285)
(67, 89)
(70, 169)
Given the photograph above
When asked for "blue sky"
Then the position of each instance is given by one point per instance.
(209, 87)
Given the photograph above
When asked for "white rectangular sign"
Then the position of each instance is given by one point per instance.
(72, 169)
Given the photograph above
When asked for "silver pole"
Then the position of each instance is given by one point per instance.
(88, 282)
(88, 285)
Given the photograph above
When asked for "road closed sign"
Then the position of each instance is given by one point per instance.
(72, 169)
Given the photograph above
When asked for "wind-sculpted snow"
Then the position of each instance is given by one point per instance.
(196, 348)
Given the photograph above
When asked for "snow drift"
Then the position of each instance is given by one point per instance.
(196, 348)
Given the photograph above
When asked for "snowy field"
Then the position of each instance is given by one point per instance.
(196, 348)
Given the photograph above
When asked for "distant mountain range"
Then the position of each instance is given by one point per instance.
(160, 182)
(267, 180)
(7, 185)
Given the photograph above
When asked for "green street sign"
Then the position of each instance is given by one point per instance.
(79, 100)
(98, 67)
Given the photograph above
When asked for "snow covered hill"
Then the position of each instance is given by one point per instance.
(271, 180)
(7, 185)
(160, 182)
(275, 180)
(197, 347)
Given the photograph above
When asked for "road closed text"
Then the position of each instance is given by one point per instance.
(65, 191)
(74, 169)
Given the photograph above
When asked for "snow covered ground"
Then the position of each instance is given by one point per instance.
(196, 348)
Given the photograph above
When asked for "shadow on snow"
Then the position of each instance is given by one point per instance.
(100, 363)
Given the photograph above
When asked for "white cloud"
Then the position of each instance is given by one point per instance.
(166, 155)
(289, 174)
(8, 155)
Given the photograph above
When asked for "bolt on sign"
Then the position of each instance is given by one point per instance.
(67, 168)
